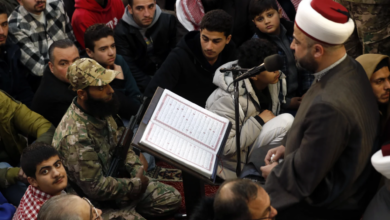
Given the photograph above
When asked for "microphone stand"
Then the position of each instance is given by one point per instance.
(237, 121)
(235, 70)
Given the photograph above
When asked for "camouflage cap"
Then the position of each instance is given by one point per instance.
(87, 72)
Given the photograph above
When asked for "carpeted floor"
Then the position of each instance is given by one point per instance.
(171, 176)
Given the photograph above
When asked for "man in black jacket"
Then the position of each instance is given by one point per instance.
(53, 96)
(12, 72)
(189, 69)
(144, 37)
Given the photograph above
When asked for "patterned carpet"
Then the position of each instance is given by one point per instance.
(171, 176)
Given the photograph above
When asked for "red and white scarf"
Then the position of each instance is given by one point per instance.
(30, 204)
(190, 13)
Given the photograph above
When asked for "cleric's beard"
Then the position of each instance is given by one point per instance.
(307, 63)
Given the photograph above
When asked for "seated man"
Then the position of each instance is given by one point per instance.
(12, 71)
(66, 207)
(236, 200)
(46, 175)
(326, 169)
(89, 129)
(36, 25)
(92, 12)
(53, 96)
(377, 69)
(101, 46)
(144, 37)
(19, 123)
(258, 99)
(189, 69)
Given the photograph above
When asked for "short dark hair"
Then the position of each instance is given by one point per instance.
(3, 9)
(64, 43)
(35, 154)
(235, 207)
(131, 2)
(96, 32)
(253, 52)
(217, 20)
(256, 7)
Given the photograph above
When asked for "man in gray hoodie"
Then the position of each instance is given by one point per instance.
(144, 37)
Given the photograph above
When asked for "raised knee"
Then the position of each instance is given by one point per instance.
(287, 119)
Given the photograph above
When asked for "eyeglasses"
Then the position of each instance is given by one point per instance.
(269, 215)
(98, 217)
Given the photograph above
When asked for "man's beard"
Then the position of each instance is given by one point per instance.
(39, 2)
(3, 44)
(100, 108)
(307, 63)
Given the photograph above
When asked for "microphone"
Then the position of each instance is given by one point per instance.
(271, 63)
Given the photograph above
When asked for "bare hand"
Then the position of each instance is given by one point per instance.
(119, 69)
(143, 161)
(266, 115)
(144, 179)
(277, 151)
(22, 176)
(295, 103)
(266, 170)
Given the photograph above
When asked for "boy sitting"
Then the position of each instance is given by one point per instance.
(46, 175)
(271, 26)
(259, 105)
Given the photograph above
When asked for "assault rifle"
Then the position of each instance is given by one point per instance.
(122, 148)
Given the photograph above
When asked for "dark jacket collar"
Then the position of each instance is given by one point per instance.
(58, 90)
(11, 48)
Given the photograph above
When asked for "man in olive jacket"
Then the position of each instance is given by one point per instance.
(16, 123)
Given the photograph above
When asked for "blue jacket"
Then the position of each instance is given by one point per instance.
(12, 74)
(7, 210)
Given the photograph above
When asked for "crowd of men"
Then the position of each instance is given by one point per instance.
(73, 72)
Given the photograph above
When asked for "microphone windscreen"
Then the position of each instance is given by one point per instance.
(273, 63)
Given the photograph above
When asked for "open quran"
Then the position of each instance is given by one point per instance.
(184, 132)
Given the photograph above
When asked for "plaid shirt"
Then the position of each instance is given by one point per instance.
(34, 38)
(30, 204)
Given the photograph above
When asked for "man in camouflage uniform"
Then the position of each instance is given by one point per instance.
(86, 139)
(372, 34)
